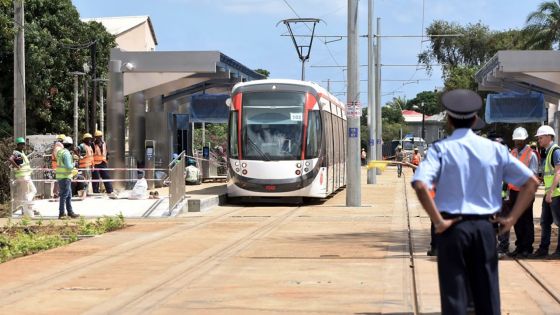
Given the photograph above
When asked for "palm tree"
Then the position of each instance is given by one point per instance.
(543, 26)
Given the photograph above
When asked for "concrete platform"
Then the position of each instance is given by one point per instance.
(199, 198)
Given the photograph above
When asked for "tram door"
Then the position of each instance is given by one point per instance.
(327, 128)
(336, 146)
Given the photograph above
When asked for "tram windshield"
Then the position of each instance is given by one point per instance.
(273, 125)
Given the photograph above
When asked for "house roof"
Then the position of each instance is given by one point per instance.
(120, 24)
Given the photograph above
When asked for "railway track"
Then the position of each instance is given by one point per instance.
(10, 294)
(148, 297)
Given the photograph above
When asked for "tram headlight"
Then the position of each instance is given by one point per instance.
(244, 165)
(244, 172)
(237, 169)
(306, 170)
(298, 172)
(307, 163)
(237, 163)
(298, 165)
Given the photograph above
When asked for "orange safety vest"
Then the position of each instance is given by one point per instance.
(56, 147)
(525, 159)
(86, 160)
(100, 156)
(416, 159)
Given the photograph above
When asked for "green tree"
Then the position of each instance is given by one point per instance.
(543, 26)
(431, 102)
(392, 119)
(264, 72)
(53, 32)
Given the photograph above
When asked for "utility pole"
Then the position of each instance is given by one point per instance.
(20, 120)
(93, 52)
(378, 121)
(101, 81)
(301, 49)
(86, 101)
(423, 123)
(371, 152)
(353, 193)
(76, 114)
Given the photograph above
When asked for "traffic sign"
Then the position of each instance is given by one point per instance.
(353, 132)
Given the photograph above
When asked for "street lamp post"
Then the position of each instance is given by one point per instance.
(421, 108)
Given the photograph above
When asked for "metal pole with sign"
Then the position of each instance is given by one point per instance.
(353, 191)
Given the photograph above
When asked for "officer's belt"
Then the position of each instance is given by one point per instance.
(463, 217)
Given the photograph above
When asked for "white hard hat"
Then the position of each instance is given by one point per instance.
(67, 140)
(520, 133)
(545, 130)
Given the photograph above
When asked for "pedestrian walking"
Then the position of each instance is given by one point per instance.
(524, 227)
(551, 202)
(64, 173)
(468, 170)
(23, 189)
(399, 157)
(100, 164)
(363, 156)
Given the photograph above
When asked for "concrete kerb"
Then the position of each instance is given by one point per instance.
(203, 203)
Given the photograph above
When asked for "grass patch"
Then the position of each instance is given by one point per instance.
(27, 237)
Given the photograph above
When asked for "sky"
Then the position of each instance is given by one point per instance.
(247, 31)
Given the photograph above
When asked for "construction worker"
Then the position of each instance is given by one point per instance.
(100, 164)
(468, 170)
(22, 186)
(524, 228)
(416, 158)
(57, 145)
(551, 177)
(192, 173)
(64, 173)
(86, 156)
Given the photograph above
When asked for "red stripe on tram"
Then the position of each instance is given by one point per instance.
(237, 99)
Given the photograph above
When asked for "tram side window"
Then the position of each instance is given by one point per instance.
(233, 153)
(314, 133)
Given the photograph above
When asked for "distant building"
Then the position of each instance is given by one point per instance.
(133, 33)
(434, 125)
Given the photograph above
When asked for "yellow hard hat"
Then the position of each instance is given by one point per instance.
(60, 137)
(87, 135)
(98, 133)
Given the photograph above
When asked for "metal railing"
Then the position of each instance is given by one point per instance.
(176, 181)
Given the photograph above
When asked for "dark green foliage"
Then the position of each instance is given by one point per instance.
(264, 72)
(543, 26)
(51, 29)
(24, 238)
(431, 103)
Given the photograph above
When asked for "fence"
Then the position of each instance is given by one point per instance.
(176, 181)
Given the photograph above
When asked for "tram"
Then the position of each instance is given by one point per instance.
(286, 139)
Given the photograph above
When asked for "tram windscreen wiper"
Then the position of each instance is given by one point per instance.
(263, 155)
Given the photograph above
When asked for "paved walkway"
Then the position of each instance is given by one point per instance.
(321, 258)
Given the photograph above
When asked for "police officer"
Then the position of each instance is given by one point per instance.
(468, 170)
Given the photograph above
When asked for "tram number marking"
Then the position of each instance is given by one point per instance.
(296, 116)
(270, 187)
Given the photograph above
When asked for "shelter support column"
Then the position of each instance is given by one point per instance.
(137, 126)
(116, 121)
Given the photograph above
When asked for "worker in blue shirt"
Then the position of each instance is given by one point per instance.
(468, 171)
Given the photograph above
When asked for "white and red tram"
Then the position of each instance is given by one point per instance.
(287, 138)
